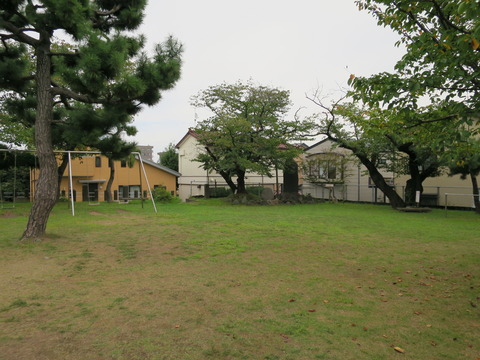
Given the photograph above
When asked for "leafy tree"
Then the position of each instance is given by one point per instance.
(442, 60)
(389, 140)
(98, 86)
(14, 133)
(247, 132)
(169, 157)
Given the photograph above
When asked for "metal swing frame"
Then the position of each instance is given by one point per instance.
(14, 195)
(98, 152)
(137, 154)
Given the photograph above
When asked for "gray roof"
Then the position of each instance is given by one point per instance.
(161, 167)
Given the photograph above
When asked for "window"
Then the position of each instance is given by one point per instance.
(123, 192)
(331, 170)
(134, 191)
(129, 191)
(123, 163)
(324, 167)
(98, 161)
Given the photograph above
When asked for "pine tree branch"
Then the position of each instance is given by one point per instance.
(63, 54)
(67, 93)
(109, 12)
(19, 34)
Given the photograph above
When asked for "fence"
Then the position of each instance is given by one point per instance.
(434, 196)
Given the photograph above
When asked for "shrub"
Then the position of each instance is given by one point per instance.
(160, 194)
(220, 192)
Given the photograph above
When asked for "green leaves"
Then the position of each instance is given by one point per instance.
(442, 39)
(248, 130)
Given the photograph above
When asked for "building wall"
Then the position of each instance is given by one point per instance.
(86, 172)
(450, 190)
(194, 179)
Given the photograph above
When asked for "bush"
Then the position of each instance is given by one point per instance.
(160, 194)
(220, 192)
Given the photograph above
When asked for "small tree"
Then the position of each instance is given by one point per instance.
(247, 131)
(169, 157)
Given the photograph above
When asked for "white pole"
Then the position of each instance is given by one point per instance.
(71, 182)
(446, 203)
(146, 179)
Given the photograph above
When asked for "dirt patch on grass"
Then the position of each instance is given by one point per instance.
(8, 215)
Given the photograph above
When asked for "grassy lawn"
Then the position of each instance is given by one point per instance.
(207, 280)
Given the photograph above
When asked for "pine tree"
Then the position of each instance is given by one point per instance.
(83, 91)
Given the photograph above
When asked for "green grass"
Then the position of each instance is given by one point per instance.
(207, 280)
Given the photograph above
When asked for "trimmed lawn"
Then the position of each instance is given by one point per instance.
(207, 280)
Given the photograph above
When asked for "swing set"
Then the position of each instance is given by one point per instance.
(89, 187)
(6, 196)
(93, 191)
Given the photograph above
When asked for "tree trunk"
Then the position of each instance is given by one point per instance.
(229, 181)
(46, 192)
(417, 177)
(475, 190)
(241, 189)
(412, 186)
(395, 200)
(290, 177)
(226, 176)
(108, 190)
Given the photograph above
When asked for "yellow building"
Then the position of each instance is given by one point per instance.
(91, 173)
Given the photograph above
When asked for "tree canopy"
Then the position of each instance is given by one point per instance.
(169, 157)
(247, 132)
(441, 67)
(81, 93)
(442, 60)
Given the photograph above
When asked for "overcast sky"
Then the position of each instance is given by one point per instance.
(297, 46)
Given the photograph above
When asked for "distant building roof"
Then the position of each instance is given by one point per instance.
(161, 167)
(146, 151)
(190, 132)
